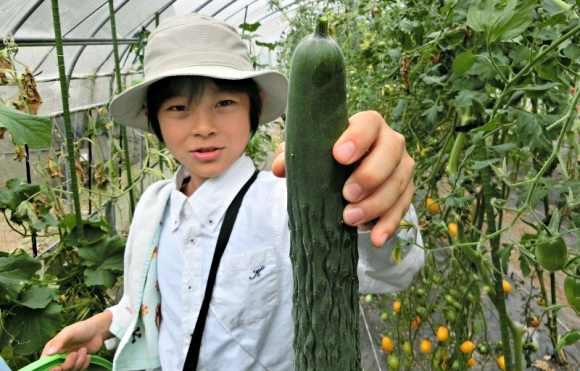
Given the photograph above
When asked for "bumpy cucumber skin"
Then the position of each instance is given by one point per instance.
(323, 249)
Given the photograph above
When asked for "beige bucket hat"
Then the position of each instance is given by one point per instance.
(198, 45)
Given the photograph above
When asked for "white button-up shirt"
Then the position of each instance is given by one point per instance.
(249, 325)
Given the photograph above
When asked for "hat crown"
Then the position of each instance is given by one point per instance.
(193, 40)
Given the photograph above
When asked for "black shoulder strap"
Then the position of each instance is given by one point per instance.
(223, 238)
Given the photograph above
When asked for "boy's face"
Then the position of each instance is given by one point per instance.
(208, 134)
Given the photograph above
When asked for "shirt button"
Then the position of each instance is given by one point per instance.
(192, 240)
(210, 221)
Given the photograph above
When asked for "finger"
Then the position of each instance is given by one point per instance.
(56, 344)
(358, 138)
(87, 362)
(281, 148)
(70, 361)
(383, 198)
(378, 166)
(81, 359)
(389, 222)
(279, 166)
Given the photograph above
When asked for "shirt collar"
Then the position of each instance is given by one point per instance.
(210, 201)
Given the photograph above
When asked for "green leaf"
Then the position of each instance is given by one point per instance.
(537, 91)
(99, 277)
(398, 110)
(524, 265)
(250, 27)
(37, 297)
(36, 131)
(270, 46)
(18, 191)
(432, 113)
(569, 338)
(104, 260)
(554, 225)
(463, 63)
(559, 18)
(465, 98)
(431, 80)
(31, 328)
(489, 126)
(500, 19)
(15, 272)
(481, 164)
(501, 149)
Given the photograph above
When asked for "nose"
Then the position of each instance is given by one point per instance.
(202, 124)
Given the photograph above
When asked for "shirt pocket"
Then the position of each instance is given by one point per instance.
(246, 289)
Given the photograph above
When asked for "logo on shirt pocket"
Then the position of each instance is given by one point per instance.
(257, 272)
(246, 288)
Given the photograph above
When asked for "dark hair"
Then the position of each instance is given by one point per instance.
(193, 86)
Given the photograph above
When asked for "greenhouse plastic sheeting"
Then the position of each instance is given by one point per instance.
(90, 68)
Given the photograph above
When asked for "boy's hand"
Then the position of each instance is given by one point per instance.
(79, 339)
(381, 186)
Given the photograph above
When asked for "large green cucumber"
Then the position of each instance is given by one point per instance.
(323, 249)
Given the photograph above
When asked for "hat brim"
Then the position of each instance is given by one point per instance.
(127, 107)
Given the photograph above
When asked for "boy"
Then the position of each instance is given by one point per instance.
(202, 98)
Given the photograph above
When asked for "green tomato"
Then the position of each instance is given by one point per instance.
(369, 298)
(572, 292)
(393, 361)
(483, 349)
(384, 316)
(407, 348)
(552, 254)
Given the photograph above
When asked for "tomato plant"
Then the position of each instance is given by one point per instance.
(482, 93)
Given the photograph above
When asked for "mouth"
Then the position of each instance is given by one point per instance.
(207, 153)
(206, 149)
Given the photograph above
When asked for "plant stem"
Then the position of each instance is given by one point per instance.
(123, 128)
(66, 118)
(499, 301)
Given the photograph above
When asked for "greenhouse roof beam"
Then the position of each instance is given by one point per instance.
(25, 16)
(32, 41)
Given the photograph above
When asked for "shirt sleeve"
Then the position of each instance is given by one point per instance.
(377, 272)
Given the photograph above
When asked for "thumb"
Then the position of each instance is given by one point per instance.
(279, 166)
(55, 344)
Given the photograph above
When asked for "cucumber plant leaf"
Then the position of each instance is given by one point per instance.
(31, 328)
(35, 131)
(16, 270)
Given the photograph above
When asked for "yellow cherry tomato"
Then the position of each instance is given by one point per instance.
(397, 306)
(425, 346)
(467, 347)
(442, 333)
(452, 228)
(501, 363)
(506, 286)
(387, 344)
(471, 362)
(432, 206)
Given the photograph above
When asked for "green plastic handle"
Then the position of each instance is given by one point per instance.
(46, 363)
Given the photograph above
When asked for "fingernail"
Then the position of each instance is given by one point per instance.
(354, 216)
(352, 192)
(347, 150)
(384, 239)
(51, 351)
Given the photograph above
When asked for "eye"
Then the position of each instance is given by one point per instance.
(176, 108)
(224, 103)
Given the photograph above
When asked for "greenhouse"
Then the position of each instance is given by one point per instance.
(290, 185)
